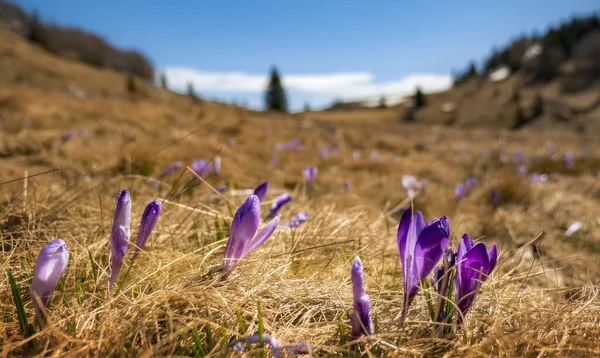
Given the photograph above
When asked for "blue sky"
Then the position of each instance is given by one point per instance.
(324, 49)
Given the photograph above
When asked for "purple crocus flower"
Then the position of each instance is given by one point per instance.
(170, 169)
(243, 236)
(298, 348)
(261, 191)
(475, 263)
(495, 198)
(293, 144)
(278, 203)
(216, 168)
(310, 173)
(221, 188)
(297, 220)
(470, 183)
(518, 157)
(522, 170)
(324, 152)
(421, 247)
(538, 178)
(569, 160)
(70, 134)
(412, 185)
(49, 267)
(119, 236)
(201, 167)
(374, 155)
(362, 324)
(274, 161)
(147, 224)
(459, 191)
(346, 185)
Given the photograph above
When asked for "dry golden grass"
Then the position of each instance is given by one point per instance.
(541, 300)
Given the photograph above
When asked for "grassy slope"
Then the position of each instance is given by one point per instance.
(539, 301)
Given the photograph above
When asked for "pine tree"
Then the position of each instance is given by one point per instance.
(36, 29)
(163, 81)
(191, 92)
(419, 98)
(382, 102)
(275, 98)
(131, 84)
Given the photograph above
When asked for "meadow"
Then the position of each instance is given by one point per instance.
(78, 138)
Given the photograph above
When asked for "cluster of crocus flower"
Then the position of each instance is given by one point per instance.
(120, 233)
(422, 246)
(244, 236)
(49, 267)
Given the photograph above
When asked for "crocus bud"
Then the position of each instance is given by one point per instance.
(261, 191)
(201, 167)
(217, 165)
(470, 183)
(170, 169)
(421, 246)
(361, 317)
(119, 236)
(149, 220)
(49, 267)
(474, 264)
(346, 185)
(297, 220)
(278, 203)
(310, 173)
(569, 160)
(243, 236)
(459, 191)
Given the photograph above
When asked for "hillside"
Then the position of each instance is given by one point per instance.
(97, 138)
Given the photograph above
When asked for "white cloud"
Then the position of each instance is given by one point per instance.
(350, 85)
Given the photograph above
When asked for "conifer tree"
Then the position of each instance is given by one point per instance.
(275, 98)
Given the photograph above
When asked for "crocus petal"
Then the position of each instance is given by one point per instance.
(361, 317)
(263, 235)
(243, 228)
(430, 247)
(278, 203)
(408, 232)
(50, 265)
(119, 238)
(147, 224)
(470, 274)
(261, 191)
